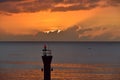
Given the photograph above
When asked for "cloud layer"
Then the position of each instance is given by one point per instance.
(18, 6)
(75, 33)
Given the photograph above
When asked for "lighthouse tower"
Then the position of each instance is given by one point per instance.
(47, 58)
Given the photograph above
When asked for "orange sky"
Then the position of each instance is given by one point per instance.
(30, 17)
(43, 21)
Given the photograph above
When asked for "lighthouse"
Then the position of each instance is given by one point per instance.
(47, 59)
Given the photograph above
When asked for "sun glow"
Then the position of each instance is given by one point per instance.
(43, 21)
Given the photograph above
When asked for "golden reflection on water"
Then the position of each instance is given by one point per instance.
(66, 72)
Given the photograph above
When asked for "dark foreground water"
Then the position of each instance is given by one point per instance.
(71, 60)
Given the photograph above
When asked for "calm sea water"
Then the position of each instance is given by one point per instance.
(71, 60)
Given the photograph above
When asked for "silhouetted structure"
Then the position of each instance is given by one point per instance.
(47, 58)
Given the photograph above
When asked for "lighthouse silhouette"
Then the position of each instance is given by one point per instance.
(47, 59)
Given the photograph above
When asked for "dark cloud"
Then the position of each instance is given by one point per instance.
(92, 1)
(27, 6)
(100, 33)
(85, 30)
(10, 0)
(74, 33)
(58, 1)
(8, 8)
(75, 7)
(34, 6)
(114, 2)
(18, 6)
(68, 35)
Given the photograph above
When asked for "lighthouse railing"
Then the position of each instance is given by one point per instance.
(47, 53)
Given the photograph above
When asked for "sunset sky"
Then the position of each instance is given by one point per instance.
(59, 20)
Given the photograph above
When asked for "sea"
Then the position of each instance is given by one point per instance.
(71, 60)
